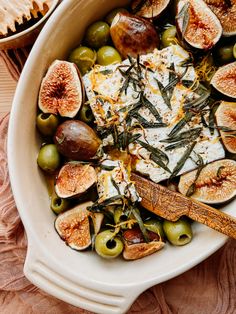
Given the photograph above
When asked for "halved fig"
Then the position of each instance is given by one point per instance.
(136, 248)
(225, 10)
(61, 90)
(226, 117)
(133, 35)
(73, 227)
(149, 9)
(216, 183)
(198, 25)
(76, 140)
(224, 80)
(74, 179)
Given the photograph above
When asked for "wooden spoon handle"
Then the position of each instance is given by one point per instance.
(213, 218)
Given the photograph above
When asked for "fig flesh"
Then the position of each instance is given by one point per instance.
(226, 117)
(136, 248)
(198, 25)
(73, 227)
(149, 9)
(74, 179)
(61, 90)
(76, 140)
(216, 183)
(224, 80)
(225, 10)
(133, 35)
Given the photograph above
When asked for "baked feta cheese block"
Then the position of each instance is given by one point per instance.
(113, 181)
(155, 108)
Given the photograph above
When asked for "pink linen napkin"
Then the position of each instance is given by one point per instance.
(208, 288)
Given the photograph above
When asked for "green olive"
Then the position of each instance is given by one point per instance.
(58, 205)
(178, 232)
(108, 55)
(234, 50)
(168, 36)
(47, 123)
(84, 58)
(225, 54)
(154, 225)
(97, 34)
(110, 16)
(108, 246)
(86, 114)
(120, 217)
(48, 158)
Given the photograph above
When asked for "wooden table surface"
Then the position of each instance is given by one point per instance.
(7, 89)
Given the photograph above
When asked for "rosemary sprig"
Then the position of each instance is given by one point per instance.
(154, 150)
(146, 103)
(97, 207)
(106, 72)
(137, 216)
(115, 185)
(159, 162)
(182, 160)
(196, 103)
(106, 167)
(200, 163)
(163, 93)
(183, 135)
(146, 124)
(188, 116)
(184, 13)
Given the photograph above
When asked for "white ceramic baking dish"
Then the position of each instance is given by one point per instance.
(80, 278)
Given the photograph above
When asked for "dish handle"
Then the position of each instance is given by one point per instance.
(104, 299)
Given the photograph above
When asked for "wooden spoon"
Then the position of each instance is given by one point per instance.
(171, 206)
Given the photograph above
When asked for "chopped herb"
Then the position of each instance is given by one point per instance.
(137, 216)
(155, 151)
(192, 133)
(115, 186)
(107, 168)
(187, 83)
(188, 116)
(145, 124)
(198, 102)
(178, 144)
(192, 188)
(97, 207)
(184, 13)
(163, 93)
(159, 162)
(146, 103)
(105, 72)
(182, 161)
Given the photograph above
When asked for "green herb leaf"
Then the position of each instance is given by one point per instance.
(159, 162)
(163, 93)
(188, 116)
(154, 150)
(137, 216)
(189, 134)
(146, 103)
(106, 72)
(182, 161)
(200, 164)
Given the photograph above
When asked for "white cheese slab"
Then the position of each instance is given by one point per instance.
(103, 85)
